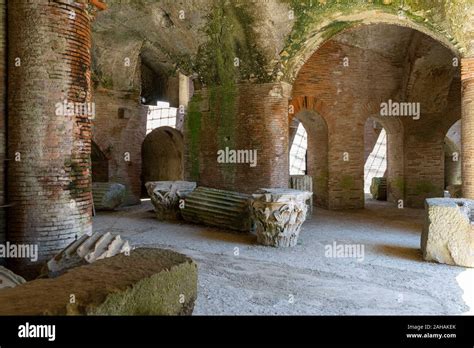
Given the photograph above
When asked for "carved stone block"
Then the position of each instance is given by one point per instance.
(278, 215)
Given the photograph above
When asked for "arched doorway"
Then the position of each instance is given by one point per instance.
(100, 164)
(311, 130)
(364, 70)
(375, 155)
(162, 155)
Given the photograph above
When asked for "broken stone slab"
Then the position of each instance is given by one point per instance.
(86, 249)
(448, 231)
(378, 188)
(147, 282)
(165, 197)
(278, 215)
(8, 279)
(108, 195)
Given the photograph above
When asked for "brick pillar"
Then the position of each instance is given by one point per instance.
(49, 183)
(467, 126)
(3, 94)
(256, 119)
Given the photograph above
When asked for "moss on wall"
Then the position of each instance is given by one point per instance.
(193, 131)
(425, 187)
(309, 16)
(231, 53)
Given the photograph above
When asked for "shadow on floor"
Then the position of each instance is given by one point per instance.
(413, 254)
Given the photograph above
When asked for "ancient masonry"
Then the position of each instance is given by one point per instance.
(49, 62)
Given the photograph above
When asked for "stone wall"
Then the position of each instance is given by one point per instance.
(119, 130)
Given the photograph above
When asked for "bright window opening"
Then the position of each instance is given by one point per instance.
(298, 152)
(160, 115)
(376, 163)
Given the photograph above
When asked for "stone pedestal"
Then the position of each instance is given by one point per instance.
(165, 196)
(448, 233)
(278, 215)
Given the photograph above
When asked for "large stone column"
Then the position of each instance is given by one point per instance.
(467, 127)
(49, 182)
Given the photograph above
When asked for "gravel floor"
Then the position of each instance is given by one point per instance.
(238, 276)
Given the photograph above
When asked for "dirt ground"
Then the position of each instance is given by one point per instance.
(238, 276)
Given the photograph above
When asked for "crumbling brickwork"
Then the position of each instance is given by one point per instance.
(467, 70)
(49, 172)
(119, 130)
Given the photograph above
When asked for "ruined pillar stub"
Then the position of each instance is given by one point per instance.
(467, 128)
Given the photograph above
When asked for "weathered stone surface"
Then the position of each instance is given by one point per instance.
(147, 282)
(86, 249)
(165, 196)
(303, 183)
(448, 233)
(8, 279)
(218, 208)
(278, 215)
(108, 195)
(378, 189)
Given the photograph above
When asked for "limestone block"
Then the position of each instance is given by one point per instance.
(165, 196)
(448, 232)
(378, 188)
(278, 215)
(86, 249)
(108, 195)
(8, 279)
(147, 282)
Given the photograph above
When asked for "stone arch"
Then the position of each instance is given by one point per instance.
(321, 32)
(306, 111)
(100, 164)
(162, 155)
(313, 86)
(395, 157)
